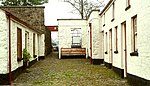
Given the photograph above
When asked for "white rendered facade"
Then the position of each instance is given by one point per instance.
(65, 35)
(119, 15)
(4, 42)
(95, 36)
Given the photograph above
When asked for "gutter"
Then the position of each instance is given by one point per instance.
(10, 74)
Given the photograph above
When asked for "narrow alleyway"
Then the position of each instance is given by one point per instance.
(68, 72)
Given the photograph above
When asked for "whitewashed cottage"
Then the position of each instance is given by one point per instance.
(125, 24)
(15, 35)
(119, 35)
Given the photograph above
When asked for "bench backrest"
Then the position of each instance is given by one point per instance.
(83, 50)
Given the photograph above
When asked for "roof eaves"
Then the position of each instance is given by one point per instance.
(106, 7)
(17, 19)
(52, 26)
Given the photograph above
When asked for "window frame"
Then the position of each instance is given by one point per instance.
(34, 44)
(26, 40)
(116, 39)
(104, 19)
(106, 44)
(134, 37)
(113, 12)
(128, 5)
(19, 44)
(78, 34)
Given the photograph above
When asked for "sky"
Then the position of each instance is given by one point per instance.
(57, 9)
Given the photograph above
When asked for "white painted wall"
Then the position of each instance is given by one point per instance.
(136, 65)
(106, 19)
(14, 25)
(3, 43)
(42, 45)
(97, 38)
(64, 32)
(140, 66)
(39, 47)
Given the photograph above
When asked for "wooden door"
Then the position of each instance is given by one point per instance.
(90, 41)
(110, 47)
(33, 44)
(124, 48)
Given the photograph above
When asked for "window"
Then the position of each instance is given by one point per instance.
(127, 5)
(134, 36)
(110, 40)
(116, 39)
(104, 20)
(106, 46)
(76, 37)
(26, 39)
(113, 12)
(38, 43)
(134, 23)
(19, 44)
(34, 45)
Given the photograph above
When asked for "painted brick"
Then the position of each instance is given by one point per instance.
(97, 40)
(4, 40)
(136, 65)
(3, 43)
(64, 32)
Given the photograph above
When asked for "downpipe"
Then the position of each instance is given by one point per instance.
(10, 73)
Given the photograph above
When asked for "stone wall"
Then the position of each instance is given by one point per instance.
(48, 46)
(33, 15)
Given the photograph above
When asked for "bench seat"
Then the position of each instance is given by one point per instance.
(73, 51)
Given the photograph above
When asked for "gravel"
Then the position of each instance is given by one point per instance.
(68, 72)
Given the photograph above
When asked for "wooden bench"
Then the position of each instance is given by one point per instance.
(73, 51)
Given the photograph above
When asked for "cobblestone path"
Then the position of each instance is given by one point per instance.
(68, 72)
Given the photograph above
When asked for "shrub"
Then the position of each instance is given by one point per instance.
(26, 55)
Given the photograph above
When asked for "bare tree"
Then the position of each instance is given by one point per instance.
(84, 7)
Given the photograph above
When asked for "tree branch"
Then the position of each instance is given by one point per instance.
(86, 7)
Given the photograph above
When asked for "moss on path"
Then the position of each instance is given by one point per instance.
(68, 72)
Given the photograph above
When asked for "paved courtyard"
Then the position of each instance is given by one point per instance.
(68, 72)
